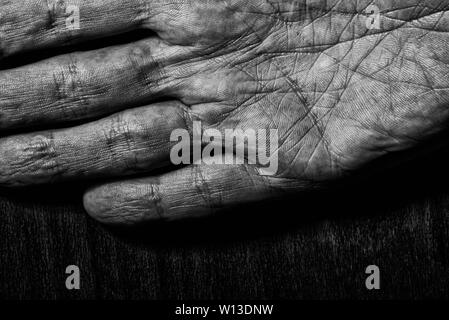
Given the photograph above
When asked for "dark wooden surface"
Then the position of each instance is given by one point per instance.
(314, 246)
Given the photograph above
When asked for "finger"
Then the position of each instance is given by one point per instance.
(136, 140)
(37, 24)
(88, 84)
(193, 191)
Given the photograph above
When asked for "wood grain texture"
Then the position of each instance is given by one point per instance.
(314, 246)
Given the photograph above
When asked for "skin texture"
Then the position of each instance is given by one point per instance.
(341, 95)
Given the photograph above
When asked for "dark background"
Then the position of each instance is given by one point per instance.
(314, 246)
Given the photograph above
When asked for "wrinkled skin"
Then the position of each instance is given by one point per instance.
(340, 94)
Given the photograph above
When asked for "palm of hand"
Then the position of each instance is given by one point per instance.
(339, 93)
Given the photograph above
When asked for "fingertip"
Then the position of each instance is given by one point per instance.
(97, 204)
(103, 204)
(117, 204)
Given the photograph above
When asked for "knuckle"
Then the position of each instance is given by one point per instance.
(200, 184)
(67, 80)
(119, 133)
(29, 160)
(39, 153)
(73, 88)
(154, 202)
(147, 70)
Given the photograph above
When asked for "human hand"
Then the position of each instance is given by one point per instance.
(339, 94)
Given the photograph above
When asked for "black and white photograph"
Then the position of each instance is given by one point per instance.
(225, 157)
